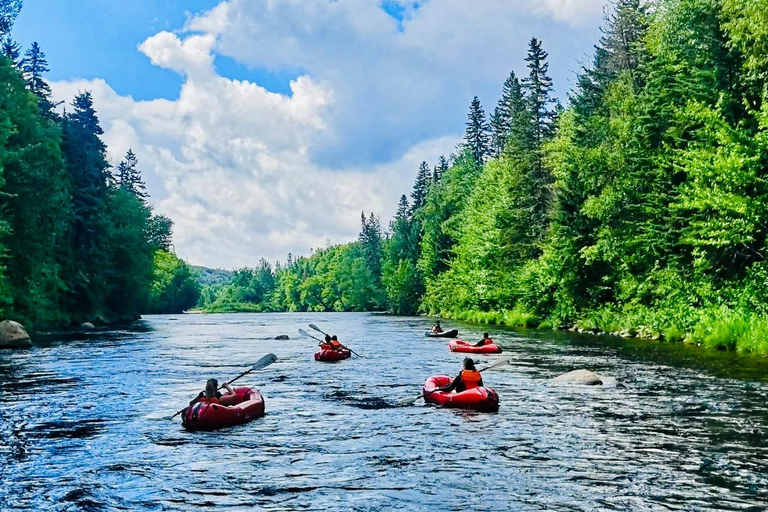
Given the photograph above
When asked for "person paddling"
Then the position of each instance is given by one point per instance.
(436, 329)
(326, 345)
(485, 341)
(211, 394)
(468, 378)
(335, 343)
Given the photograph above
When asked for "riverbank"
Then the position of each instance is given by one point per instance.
(719, 328)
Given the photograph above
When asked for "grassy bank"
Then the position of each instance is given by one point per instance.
(719, 328)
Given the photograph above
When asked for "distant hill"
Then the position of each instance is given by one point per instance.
(208, 276)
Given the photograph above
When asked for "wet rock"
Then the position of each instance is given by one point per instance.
(282, 337)
(87, 326)
(13, 335)
(578, 378)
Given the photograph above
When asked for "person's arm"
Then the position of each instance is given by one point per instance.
(196, 399)
(451, 386)
(481, 383)
(480, 343)
(228, 388)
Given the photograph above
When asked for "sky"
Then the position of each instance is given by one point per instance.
(264, 127)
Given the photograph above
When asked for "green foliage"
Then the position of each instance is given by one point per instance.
(174, 286)
(74, 246)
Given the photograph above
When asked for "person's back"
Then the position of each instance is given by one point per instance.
(468, 378)
(335, 343)
(485, 341)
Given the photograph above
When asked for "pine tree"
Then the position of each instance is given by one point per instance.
(370, 242)
(160, 232)
(538, 88)
(403, 208)
(501, 121)
(623, 35)
(87, 167)
(12, 50)
(9, 11)
(477, 138)
(440, 168)
(420, 187)
(33, 66)
(128, 176)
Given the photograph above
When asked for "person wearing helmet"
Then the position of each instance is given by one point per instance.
(468, 378)
(485, 341)
(211, 394)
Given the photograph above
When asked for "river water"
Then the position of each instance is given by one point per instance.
(83, 422)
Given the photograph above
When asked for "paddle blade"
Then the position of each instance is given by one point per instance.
(407, 401)
(316, 328)
(264, 362)
(500, 362)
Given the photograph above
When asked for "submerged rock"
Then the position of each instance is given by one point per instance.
(87, 326)
(282, 337)
(13, 335)
(578, 378)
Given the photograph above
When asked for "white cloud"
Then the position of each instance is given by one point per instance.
(245, 172)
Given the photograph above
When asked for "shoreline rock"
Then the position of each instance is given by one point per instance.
(13, 335)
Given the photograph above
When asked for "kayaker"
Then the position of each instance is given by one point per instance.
(326, 345)
(211, 394)
(485, 341)
(335, 343)
(436, 329)
(468, 378)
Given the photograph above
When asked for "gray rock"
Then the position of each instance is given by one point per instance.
(13, 335)
(87, 326)
(282, 337)
(578, 378)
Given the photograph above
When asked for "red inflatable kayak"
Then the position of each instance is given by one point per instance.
(463, 346)
(478, 399)
(245, 405)
(332, 355)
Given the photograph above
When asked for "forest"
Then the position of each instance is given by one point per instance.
(638, 209)
(79, 240)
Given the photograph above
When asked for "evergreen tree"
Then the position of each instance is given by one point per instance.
(440, 168)
(624, 29)
(477, 138)
(403, 209)
(12, 50)
(87, 168)
(420, 187)
(33, 67)
(505, 113)
(538, 88)
(371, 244)
(128, 176)
(9, 11)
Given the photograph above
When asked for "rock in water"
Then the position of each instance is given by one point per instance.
(13, 335)
(578, 378)
(282, 337)
(87, 326)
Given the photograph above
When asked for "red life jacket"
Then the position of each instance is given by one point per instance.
(471, 379)
(212, 400)
(335, 345)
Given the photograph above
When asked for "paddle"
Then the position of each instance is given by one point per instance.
(313, 326)
(258, 365)
(408, 401)
(305, 333)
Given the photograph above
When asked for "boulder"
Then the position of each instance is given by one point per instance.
(13, 335)
(282, 337)
(87, 326)
(578, 378)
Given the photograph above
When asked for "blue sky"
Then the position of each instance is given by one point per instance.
(249, 117)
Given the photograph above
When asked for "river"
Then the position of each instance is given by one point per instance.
(83, 422)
